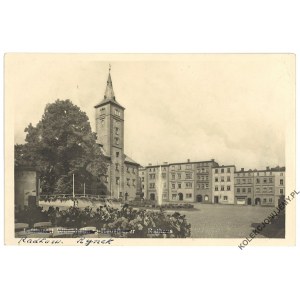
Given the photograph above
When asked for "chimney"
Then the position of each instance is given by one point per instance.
(242, 169)
(188, 160)
(268, 168)
(149, 164)
(165, 163)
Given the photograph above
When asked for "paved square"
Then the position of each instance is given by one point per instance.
(225, 221)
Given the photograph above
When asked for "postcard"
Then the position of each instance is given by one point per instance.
(150, 149)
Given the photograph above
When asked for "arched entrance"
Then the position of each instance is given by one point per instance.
(206, 198)
(199, 198)
(180, 196)
(249, 202)
(257, 201)
(152, 196)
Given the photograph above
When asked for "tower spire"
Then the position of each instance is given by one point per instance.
(109, 91)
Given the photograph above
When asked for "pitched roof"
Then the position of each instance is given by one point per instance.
(130, 160)
(109, 95)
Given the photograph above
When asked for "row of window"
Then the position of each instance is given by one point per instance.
(222, 179)
(222, 188)
(265, 173)
(222, 170)
(128, 181)
(127, 169)
(187, 185)
(181, 167)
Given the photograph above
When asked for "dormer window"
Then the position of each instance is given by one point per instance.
(117, 113)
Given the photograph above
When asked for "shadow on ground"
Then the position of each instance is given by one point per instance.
(276, 229)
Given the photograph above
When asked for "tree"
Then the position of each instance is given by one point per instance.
(62, 144)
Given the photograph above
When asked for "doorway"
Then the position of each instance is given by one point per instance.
(180, 196)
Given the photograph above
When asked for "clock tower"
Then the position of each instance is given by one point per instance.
(110, 135)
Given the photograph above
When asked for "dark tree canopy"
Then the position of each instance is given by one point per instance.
(62, 144)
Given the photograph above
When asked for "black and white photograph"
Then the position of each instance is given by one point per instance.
(148, 148)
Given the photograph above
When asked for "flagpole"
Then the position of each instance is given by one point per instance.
(73, 187)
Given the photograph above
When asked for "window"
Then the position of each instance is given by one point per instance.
(270, 200)
(281, 191)
(238, 181)
(264, 190)
(188, 184)
(179, 185)
(244, 190)
(117, 140)
(202, 186)
(117, 113)
(222, 170)
(257, 180)
(281, 174)
(174, 196)
(188, 175)
(270, 189)
(249, 190)
(225, 198)
(128, 182)
(222, 187)
(179, 176)
(117, 130)
(257, 190)
(152, 185)
(117, 167)
(222, 178)
(143, 186)
(249, 180)
(244, 180)
(216, 179)
(188, 196)
(188, 167)
(265, 180)
(117, 155)
(179, 167)
(173, 185)
(264, 200)
(206, 185)
(216, 171)
(281, 181)
(143, 179)
(117, 180)
(228, 187)
(270, 180)
(133, 182)
(228, 178)
(228, 170)
(164, 196)
(173, 176)
(133, 170)
(238, 190)
(216, 188)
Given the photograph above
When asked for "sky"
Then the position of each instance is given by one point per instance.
(231, 108)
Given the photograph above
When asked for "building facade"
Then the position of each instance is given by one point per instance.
(259, 187)
(185, 181)
(122, 175)
(223, 184)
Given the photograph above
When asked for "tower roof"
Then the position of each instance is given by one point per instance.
(109, 95)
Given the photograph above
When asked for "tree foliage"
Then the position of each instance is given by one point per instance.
(60, 145)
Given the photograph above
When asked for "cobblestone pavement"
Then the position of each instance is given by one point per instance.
(224, 221)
